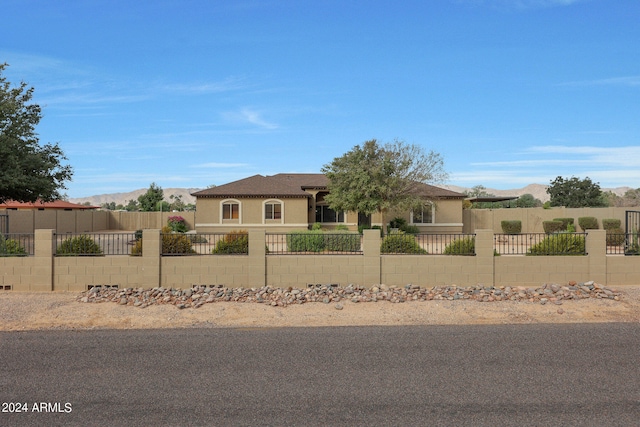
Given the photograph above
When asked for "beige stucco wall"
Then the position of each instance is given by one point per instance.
(532, 218)
(294, 215)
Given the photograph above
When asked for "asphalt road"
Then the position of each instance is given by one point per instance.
(531, 375)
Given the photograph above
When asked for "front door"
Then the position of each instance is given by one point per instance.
(364, 220)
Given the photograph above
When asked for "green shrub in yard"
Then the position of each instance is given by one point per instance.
(511, 226)
(305, 241)
(566, 222)
(559, 244)
(400, 243)
(79, 245)
(175, 243)
(552, 226)
(615, 236)
(11, 247)
(464, 246)
(611, 223)
(235, 242)
(342, 241)
(588, 223)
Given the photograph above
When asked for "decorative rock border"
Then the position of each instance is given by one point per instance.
(199, 295)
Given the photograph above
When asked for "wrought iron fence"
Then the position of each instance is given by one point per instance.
(181, 244)
(15, 244)
(540, 244)
(314, 243)
(428, 244)
(623, 244)
(94, 244)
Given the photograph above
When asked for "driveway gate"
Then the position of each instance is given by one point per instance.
(632, 233)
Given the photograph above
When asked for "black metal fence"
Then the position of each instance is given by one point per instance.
(314, 243)
(443, 244)
(94, 244)
(15, 244)
(540, 244)
(182, 244)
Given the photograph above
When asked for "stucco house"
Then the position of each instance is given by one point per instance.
(294, 201)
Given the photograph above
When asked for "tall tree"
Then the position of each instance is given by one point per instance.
(150, 200)
(575, 193)
(378, 178)
(28, 171)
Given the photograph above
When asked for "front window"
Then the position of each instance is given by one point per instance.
(230, 211)
(326, 214)
(423, 215)
(272, 211)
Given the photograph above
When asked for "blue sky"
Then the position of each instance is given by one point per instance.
(194, 93)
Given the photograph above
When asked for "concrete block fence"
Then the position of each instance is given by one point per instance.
(46, 272)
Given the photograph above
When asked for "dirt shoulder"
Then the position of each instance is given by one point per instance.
(21, 311)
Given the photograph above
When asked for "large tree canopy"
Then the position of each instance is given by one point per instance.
(378, 178)
(28, 171)
(575, 193)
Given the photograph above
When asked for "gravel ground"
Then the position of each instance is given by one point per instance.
(21, 311)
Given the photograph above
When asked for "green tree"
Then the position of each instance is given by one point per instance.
(150, 200)
(575, 193)
(28, 171)
(528, 201)
(132, 206)
(377, 178)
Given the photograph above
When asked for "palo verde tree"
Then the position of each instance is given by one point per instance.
(28, 171)
(378, 178)
(576, 193)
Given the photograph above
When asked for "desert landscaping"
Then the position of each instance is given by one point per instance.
(272, 308)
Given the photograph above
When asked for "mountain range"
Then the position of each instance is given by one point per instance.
(538, 191)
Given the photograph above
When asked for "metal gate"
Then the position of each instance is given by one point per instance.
(632, 233)
(4, 224)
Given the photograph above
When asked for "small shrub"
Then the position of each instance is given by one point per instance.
(11, 247)
(566, 222)
(234, 242)
(342, 242)
(611, 224)
(588, 223)
(559, 244)
(398, 223)
(138, 234)
(615, 236)
(136, 250)
(342, 227)
(316, 226)
(552, 226)
(175, 243)
(79, 245)
(511, 226)
(464, 246)
(410, 229)
(400, 243)
(305, 241)
(177, 224)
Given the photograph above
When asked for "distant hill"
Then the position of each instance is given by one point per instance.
(123, 198)
(539, 191)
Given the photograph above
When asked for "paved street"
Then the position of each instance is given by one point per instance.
(534, 375)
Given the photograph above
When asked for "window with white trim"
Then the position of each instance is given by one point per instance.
(230, 210)
(423, 214)
(273, 210)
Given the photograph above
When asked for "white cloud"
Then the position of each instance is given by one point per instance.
(248, 115)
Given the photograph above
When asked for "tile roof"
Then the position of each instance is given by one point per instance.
(56, 204)
(294, 184)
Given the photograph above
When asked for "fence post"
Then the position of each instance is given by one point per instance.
(42, 274)
(151, 257)
(596, 247)
(485, 268)
(257, 265)
(372, 274)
